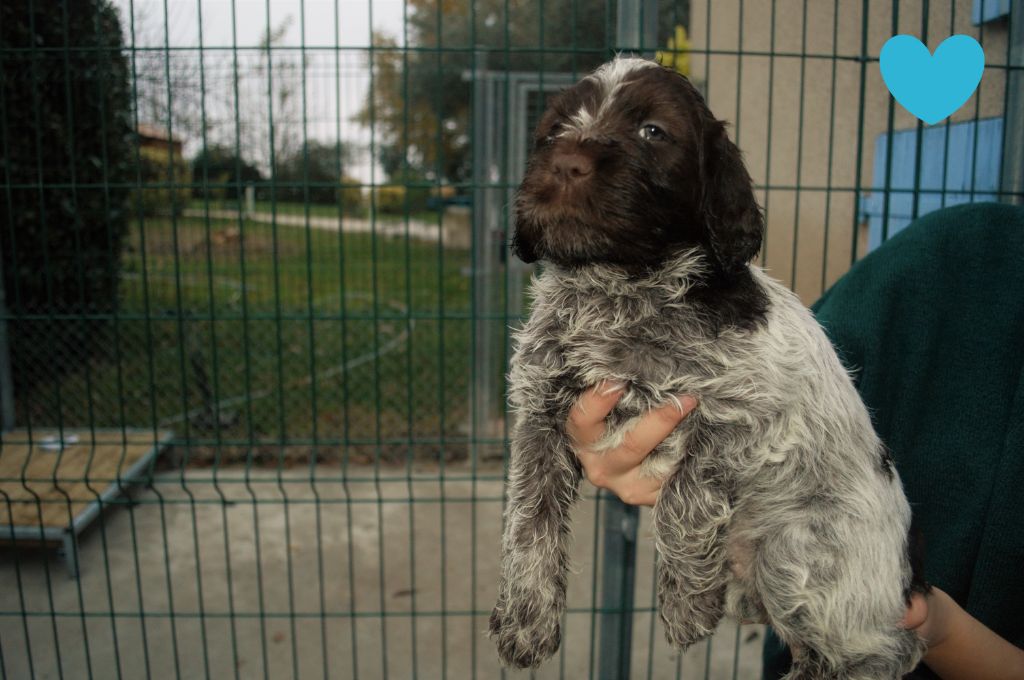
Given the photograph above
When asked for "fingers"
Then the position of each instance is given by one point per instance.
(653, 428)
(917, 612)
(586, 418)
(618, 469)
(633, 489)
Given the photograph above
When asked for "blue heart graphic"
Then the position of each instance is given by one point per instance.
(930, 86)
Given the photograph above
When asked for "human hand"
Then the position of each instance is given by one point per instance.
(928, 616)
(959, 646)
(618, 469)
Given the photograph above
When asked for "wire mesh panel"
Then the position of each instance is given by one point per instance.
(257, 299)
(801, 84)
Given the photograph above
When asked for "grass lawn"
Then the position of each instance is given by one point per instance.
(293, 336)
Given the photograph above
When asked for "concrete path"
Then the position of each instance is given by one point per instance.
(416, 228)
(368, 576)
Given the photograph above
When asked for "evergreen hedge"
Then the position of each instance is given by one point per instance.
(66, 165)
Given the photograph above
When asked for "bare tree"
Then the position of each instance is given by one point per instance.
(165, 81)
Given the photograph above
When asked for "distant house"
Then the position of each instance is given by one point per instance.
(157, 139)
(165, 175)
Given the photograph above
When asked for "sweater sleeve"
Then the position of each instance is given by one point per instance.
(931, 326)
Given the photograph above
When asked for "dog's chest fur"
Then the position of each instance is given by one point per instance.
(777, 387)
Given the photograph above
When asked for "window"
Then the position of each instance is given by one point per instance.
(988, 10)
(960, 163)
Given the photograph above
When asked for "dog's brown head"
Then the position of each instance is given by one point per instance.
(628, 166)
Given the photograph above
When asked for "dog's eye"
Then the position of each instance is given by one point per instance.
(549, 137)
(651, 132)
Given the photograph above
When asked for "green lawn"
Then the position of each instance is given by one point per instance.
(295, 335)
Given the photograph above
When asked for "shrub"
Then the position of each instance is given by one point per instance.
(353, 202)
(165, 183)
(311, 173)
(397, 199)
(226, 172)
(67, 165)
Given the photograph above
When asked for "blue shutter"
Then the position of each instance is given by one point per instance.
(963, 165)
(986, 10)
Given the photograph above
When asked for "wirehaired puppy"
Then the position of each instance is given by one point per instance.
(780, 503)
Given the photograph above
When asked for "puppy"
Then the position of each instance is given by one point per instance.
(780, 503)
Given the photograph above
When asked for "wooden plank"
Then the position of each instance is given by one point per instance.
(42, 485)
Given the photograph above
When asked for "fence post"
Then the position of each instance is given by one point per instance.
(1013, 116)
(637, 26)
(617, 583)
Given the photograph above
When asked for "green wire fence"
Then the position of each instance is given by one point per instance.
(256, 300)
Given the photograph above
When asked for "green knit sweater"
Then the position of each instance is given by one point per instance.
(932, 326)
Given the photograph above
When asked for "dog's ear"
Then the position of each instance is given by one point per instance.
(732, 217)
(523, 244)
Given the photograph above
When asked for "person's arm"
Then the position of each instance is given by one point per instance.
(959, 646)
(618, 470)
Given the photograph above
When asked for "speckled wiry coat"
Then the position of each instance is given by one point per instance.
(780, 503)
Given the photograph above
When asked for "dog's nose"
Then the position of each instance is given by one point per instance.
(571, 166)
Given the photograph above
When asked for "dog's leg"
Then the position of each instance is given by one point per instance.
(822, 600)
(690, 519)
(543, 484)
(810, 665)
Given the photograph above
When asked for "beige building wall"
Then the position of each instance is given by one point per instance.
(800, 133)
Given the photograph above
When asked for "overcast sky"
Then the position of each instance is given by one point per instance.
(336, 82)
(253, 16)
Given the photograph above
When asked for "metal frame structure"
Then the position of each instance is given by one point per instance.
(500, 148)
(67, 536)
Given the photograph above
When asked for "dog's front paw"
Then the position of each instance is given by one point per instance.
(526, 632)
(689, 618)
(683, 634)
